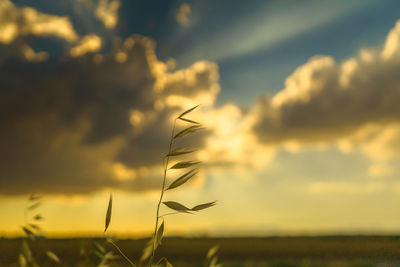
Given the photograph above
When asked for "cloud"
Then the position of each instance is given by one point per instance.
(21, 21)
(354, 103)
(345, 188)
(107, 12)
(91, 121)
(32, 55)
(88, 43)
(79, 125)
(182, 15)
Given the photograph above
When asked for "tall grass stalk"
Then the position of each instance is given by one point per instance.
(165, 166)
(149, 251)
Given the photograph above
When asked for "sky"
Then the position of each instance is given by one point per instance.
(299, 102)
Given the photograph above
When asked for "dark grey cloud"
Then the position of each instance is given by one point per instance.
(65, 123)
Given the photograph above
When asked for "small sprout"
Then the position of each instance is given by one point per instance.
(108, 215)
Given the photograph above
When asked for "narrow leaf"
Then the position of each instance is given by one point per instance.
(187, 111)
(188, 130)
(52, 256)
(28, 232)
(176, 206)
(190, 121)
(179, 151)
(184, 164)
(35, 227)
(183, 179)
(34, 197)
(38, 217)
(108, 215)
(203, 206)
(159, 234)
(34, 206)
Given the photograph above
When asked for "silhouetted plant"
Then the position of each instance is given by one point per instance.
(32, 231)
(149, 251)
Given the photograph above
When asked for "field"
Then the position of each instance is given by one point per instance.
(360, 251)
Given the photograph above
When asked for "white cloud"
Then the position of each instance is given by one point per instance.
(354, 103)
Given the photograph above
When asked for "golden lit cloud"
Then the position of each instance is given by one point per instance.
(88, 43)
(107, 12)
(33, 56)
(19, 21)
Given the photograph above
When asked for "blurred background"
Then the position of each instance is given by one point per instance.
(299, 101)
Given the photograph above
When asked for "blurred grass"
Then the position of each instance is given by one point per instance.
(356, 251)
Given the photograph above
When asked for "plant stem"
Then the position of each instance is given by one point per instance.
(162, 189)
(123, 255)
